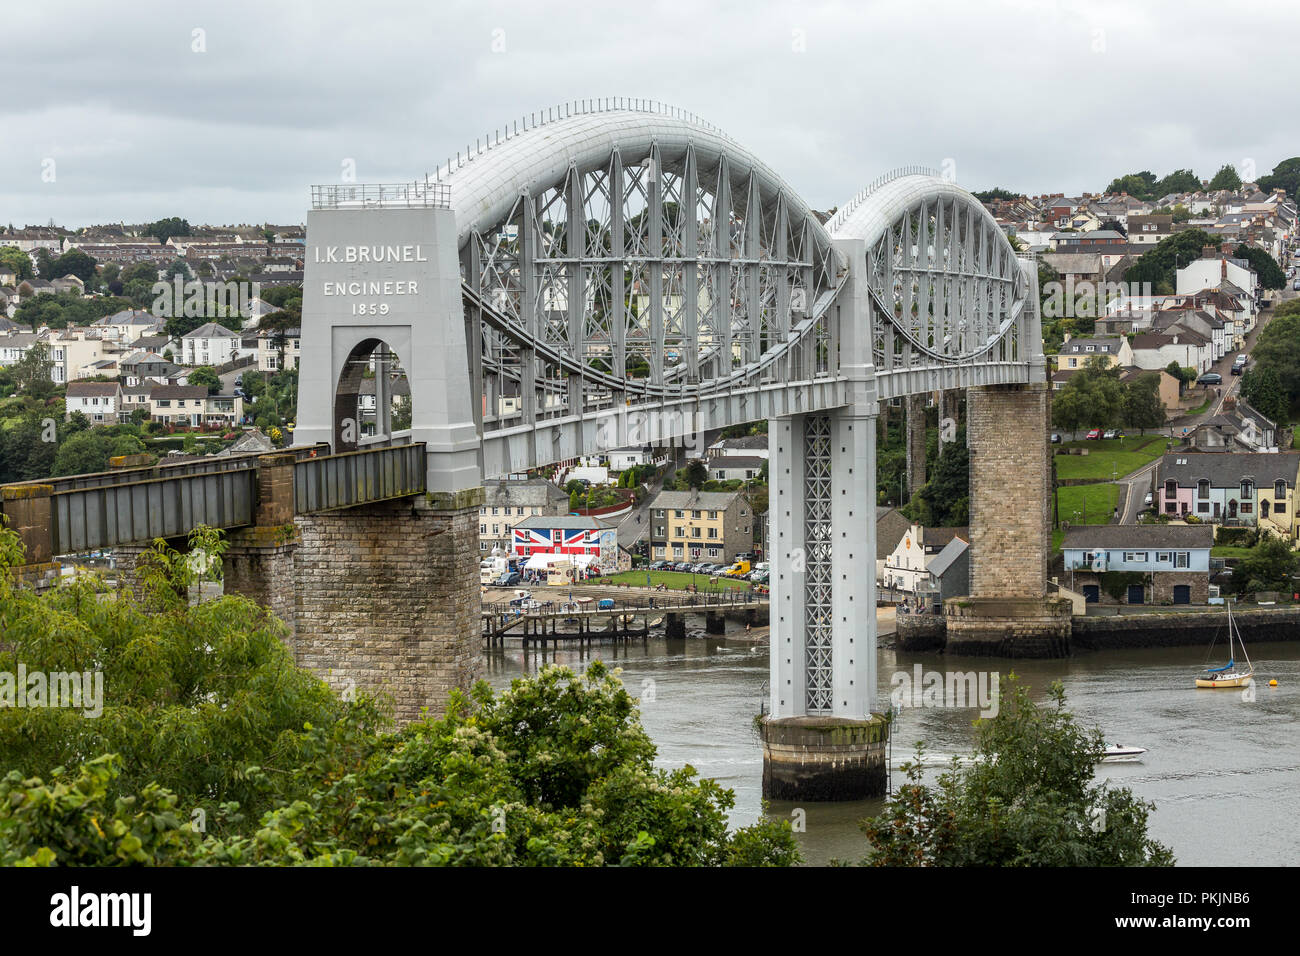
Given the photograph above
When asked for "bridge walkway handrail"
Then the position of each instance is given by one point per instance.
(164, 469)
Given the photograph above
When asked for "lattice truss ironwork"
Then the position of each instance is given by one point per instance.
(647, 275)
(948, 287)
(818, 580)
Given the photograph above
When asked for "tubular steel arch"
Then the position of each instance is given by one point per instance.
(631, 274)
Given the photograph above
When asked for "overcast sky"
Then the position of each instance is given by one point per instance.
(124, 112)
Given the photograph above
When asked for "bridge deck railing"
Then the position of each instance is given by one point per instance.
(166, 469)
(358, 477)
(82, 513)
(101, 516)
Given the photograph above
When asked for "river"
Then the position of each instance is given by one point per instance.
(1223, 772)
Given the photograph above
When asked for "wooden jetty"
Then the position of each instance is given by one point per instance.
(554, 621)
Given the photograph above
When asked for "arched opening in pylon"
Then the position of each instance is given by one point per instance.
(372, 398)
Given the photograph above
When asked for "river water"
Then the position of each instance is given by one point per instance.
(1223, 772)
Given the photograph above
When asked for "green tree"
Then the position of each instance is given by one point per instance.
(206, 376)
(1285, 175)
(1159, 266)
(32, 372)
(19, 261)
(1270, 273)
(1139, 185)
(1278, 348)
(1263, 389)
(85, 452)
(1226, 178)
(694, 475)
(25, 452)
(945, 498)
(1027, 799)
(1179, 181)
(203, 709)
(77, 263)
(1270, 566)
(164, 229)
(1140, 404)
(1093, 397)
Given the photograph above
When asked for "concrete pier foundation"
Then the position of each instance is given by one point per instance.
(824, 758)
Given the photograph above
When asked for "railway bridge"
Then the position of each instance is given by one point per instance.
(613, 272)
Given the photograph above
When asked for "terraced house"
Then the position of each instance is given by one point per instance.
(700, 526)
(1139, 564)
(1243, 488)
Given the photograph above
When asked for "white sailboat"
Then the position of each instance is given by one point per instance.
(1230, 674)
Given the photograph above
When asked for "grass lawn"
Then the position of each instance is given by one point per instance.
(1117, 456)
(674, 580)
(1095, 503)
(1227, 551)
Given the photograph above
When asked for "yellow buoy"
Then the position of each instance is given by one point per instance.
(1272, 683)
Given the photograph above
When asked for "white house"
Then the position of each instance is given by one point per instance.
(1211, 273)
(1189, 349)
(269, 351)
(98, 401)
(209, 344)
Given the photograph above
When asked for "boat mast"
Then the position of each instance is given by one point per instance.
(1231, 658)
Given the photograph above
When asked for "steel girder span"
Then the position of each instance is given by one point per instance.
(949, 302)
(632, 275)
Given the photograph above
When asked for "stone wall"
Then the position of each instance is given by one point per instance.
(1182, 629)
(388, 599)
(1164, 582)
(1010, 490)
(919, 632)
(1008, 627)
(260, 565)
(915, 425)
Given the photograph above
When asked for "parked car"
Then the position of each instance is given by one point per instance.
(1093, 434)
(1210, 378)
(1108, 433)
(1295, 286)
(1056, 438)
(657, 565)
(508, 579)
(1148, 500)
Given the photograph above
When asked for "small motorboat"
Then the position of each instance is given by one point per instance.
(1116, 753)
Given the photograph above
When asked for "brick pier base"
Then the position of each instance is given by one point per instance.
(1008, 627)
(1008, 612)
(388, 599)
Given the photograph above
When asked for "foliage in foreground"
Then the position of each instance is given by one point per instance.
(1027, 799)
(214, 749)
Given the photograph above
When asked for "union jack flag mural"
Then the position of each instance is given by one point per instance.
(529, 541)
